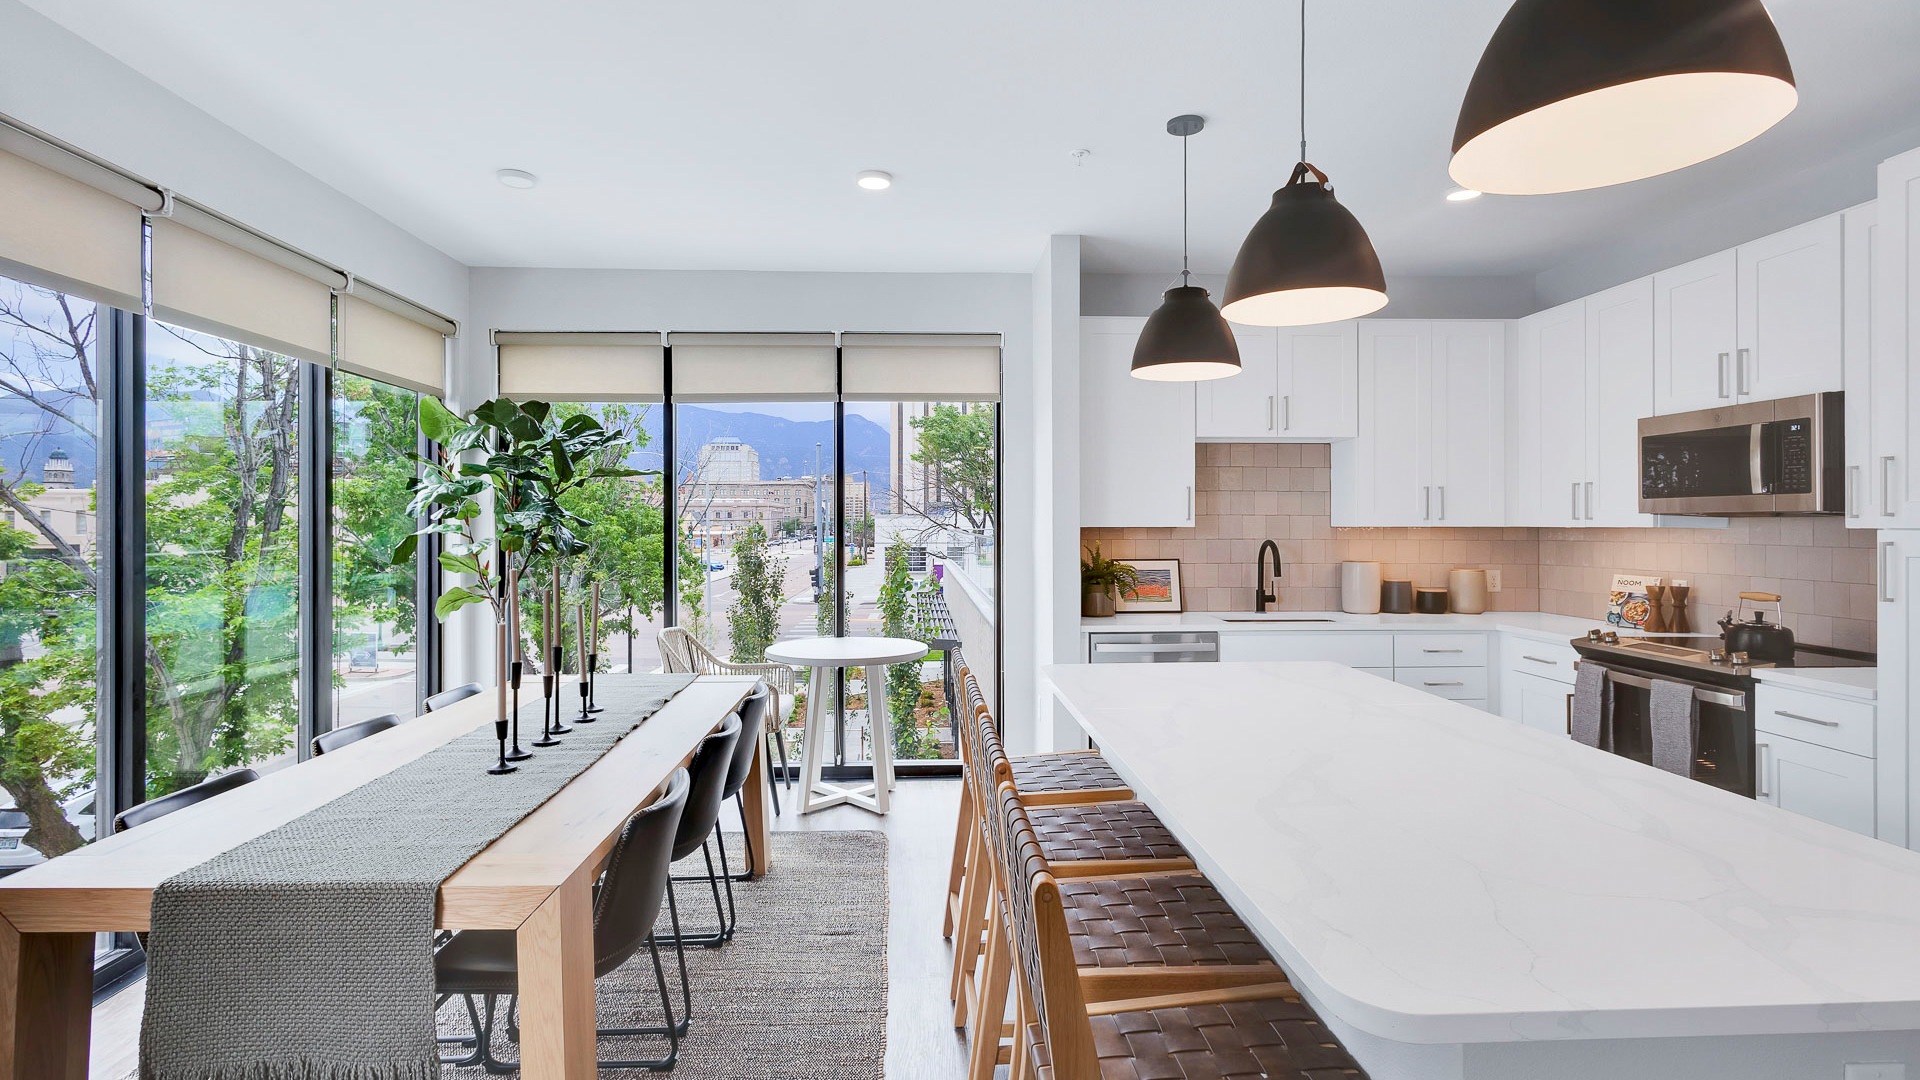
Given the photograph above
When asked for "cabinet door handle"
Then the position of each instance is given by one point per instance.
(1589, 500)
(1540, 660)
(1807, 719)
(1886, 486)
(1853, 491)
(1575, 491)
(1760, 753)
(1442, 489)
(1189, 502)
(1426, 503)
(1269, 412)
(1442, 650)
(1740, 371)
(1721, 390)
(1886, 573)
(1430, 682)
(1286, 412)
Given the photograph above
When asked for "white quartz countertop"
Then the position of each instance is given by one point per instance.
(1861, 684)
(1533, 624)
(1430, 873)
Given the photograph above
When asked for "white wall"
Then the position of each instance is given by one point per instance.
(1409, 297)
(57, 82)
(1056, 552)
(638, 300)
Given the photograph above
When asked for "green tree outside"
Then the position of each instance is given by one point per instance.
(753, 623)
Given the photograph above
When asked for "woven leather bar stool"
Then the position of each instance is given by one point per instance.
(1068, 1029)
(1067, 778)
(1129, 937)
(1094, 838)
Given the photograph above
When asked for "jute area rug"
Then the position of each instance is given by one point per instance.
(800, 993)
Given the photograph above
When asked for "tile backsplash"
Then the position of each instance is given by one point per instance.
(1249, 492)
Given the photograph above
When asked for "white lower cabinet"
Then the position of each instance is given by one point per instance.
(1816, 781)
(1456, 683)
(1536, 702)
(1448, 665)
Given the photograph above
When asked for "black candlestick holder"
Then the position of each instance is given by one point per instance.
(559, 654)
(500, 732)
(593, 682)
(583, 718)
(517, 754)
(546, 711)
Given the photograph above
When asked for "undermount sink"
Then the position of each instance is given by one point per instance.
(1274, 618)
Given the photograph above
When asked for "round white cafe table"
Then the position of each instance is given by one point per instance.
(822, 656)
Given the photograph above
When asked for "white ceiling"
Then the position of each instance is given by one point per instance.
(726, 133)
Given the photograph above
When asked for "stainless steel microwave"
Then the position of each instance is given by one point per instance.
(1786, 456)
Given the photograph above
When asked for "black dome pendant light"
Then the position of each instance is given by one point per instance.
(1307, 260)
(1186, 340)
(1578, 94)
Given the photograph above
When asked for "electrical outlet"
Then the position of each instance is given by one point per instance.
(1493, 579)
(1877, 1071)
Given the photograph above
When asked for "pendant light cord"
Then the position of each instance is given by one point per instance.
(1303, 80)
(1185, 274)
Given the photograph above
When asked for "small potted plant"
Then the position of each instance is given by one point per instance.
(1101, 580)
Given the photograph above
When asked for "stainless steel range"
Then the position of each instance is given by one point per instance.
(1723, 687)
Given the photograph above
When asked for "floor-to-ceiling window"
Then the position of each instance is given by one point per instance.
(223, 527)
(376, 655)
(50, 382)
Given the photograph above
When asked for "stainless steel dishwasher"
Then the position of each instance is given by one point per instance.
(1166, 647)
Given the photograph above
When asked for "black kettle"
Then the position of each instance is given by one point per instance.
(1762, 641)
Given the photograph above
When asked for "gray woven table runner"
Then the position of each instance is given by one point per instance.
(307, 953)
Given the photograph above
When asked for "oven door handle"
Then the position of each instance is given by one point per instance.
(1736, 702)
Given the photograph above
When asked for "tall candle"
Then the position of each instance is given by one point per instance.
(581, 645)
(513, 611)
(500, 671)
(559, 612)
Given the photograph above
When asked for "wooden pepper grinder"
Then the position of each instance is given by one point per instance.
(1679, 623)
(1656, 613)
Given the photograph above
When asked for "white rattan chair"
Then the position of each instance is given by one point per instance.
(681, 651)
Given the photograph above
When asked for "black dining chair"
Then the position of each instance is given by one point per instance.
(753, 712)
(353, 733)
(447, 697)
(626, 904)
(711, 762)
(180, 800)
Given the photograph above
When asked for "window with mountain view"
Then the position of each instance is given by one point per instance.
(49, 421)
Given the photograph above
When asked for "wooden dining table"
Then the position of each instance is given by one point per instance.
(536, 879)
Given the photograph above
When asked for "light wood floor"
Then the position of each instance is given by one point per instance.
(921, 1041)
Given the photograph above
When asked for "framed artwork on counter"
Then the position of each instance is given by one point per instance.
(1157, 590)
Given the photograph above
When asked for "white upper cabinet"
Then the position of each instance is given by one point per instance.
(1694, 318)
(1136, 436)
(1245, 406)
(1790, 312)
(1859, 227)
(1296, 383)
(1763, 320)
(1619, 352)
(1893, 470)
(1431, 447)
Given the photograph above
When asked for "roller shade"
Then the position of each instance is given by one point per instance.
(920, 367)
(208, 276)
(380, 343)
(581, 367)
(753, 367)
(58, 232)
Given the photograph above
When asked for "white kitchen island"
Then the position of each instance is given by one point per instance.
(1464, 897)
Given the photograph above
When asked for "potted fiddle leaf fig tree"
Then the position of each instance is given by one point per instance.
(533, 458)
(1101, 580)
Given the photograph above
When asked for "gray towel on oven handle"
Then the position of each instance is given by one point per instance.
(1589, 720)
(1671, 715)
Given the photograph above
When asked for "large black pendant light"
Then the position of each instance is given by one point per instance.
(1186, 340)
(1307, 260)
(1578, 94)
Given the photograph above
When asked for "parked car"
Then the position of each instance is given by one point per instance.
(16, 854)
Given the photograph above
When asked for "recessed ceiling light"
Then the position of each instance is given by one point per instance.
(1465, 194)
(874, 180)
(519, 179)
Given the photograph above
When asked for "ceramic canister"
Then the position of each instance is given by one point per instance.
(1396, 597)
(1430, 601)
(1467, 591)
(1360, 588)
